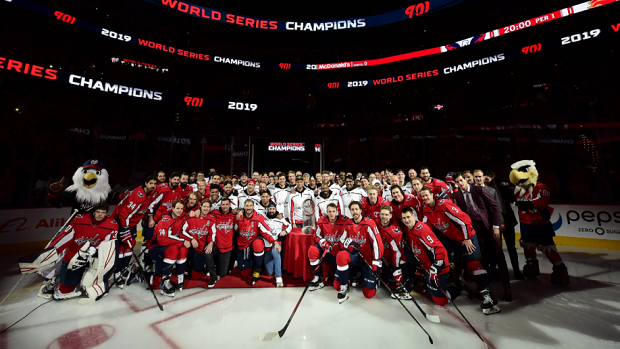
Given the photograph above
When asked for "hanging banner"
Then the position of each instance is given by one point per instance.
(220, 16)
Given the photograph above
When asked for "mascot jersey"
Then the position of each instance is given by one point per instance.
(532, 197)
(90, 187)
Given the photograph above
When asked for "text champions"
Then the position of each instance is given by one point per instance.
(276, 146)
(113, 88)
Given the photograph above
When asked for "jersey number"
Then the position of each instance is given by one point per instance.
(430, 239)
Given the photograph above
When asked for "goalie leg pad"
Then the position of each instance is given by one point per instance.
(38, 261)
(94, 280)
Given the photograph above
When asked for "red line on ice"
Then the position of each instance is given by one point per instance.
(171, 343)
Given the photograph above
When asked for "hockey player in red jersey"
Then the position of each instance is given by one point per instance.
(532, 200)
(167, 194)
(360, 236)
(431, 256)
(251, 246)
(327, 237)
(439, 188)
(166, 248)
(459, 238)
(401, 200)
(128, 213)
(87, 229)
(325, 197)
(221, 242)
(199, 232)
(391, 238)
(371, 205)
(192, 205)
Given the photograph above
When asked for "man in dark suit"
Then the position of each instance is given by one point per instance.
(485, 215)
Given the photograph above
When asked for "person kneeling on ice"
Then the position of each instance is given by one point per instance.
(360, 237)
(327, 237)
(458, 236)
(199, 231)
(391, 238)
(88, 235)
(279, 227)
(253, 231)
(166, 248)
(431, 256)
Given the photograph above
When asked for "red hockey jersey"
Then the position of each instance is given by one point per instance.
(224, 227)
(426, 247)
(391, 237)
(130, 211)
(331, 232)
(449, 220)
(166, 232)
(408, 201)
(372, 211)
(165, 198)
(439, 188)
(200, 228)
(250, 228)
(366, 235)
(83, 228)
(539, 197)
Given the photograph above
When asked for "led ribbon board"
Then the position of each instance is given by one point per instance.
(482, 61)
(278, 146)
(584, 6)
(19, 66)
(219, 16)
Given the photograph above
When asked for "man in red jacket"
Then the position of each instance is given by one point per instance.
(360, 236)
(459, 238)
(391, 237)
(252, 230)
(220, 243)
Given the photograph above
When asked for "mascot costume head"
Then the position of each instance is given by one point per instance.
(90, 182)
(524, 176)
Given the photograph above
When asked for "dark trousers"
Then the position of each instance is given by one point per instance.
(509, 237)
(223, 259)
(492, 252)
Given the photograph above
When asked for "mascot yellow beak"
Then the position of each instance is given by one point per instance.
(521, 178)
(90, 180)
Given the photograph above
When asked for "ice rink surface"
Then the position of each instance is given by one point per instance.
(585, 314)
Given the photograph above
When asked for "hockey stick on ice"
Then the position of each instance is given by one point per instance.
(394, 296)
(429, 317)
(271, 335)
(161, 307)
(7, 296)
(457, 308)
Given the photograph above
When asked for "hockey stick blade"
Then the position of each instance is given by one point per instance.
(268, 336)
(86, 300)
(433, 318)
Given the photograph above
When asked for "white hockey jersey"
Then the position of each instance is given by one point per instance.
(277, 225)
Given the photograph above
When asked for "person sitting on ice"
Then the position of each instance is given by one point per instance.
(360, 237)
(279, 229)
(253, 231)
(88, 235)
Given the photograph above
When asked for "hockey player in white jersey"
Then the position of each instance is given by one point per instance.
(279, 229)
(325, 197)
(350, 194)
(249, 193)
(295, 201)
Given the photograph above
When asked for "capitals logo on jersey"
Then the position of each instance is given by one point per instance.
(94, 241)
(360, 240)
(442, 226)
(226, 227)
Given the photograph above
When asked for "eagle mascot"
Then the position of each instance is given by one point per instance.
(532, 201)
(90, 187)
